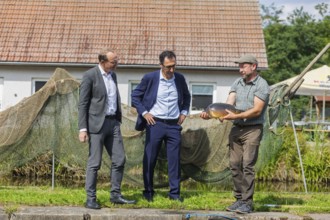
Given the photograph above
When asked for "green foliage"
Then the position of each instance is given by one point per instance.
(288, 154)
(285, 164)
(271, 14)
(293, 44)
(300, 106)
(322, 9)
(13, 197)
(303, 203)
(317, 160)
(10, 210)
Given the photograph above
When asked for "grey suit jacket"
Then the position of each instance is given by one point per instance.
(92, 101)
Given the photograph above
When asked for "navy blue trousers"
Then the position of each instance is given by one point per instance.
(155, 135)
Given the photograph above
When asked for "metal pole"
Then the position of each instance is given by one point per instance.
(301, 75)
(298, 149)
(53, 171)
(323, 108)
(311, 109)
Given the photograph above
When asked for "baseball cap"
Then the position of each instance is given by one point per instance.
(248, 58)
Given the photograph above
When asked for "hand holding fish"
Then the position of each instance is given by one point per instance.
(204, 115)
(230, 116)
(221, 111)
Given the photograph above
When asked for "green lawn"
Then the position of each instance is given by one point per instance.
(12, 197)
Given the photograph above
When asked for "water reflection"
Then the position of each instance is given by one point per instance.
(186, 185)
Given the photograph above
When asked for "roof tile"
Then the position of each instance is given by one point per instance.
(202, 32)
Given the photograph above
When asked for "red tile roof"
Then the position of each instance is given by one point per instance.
(209, 33)
(320, 98)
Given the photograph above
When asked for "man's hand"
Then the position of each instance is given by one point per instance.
(83, 136)
(150, 119)
(204, 115)
(181, 119)
(230, 115)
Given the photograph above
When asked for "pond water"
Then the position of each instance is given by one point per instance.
(186, 185)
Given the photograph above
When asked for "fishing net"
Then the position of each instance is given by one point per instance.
(42, 130)
(277, 120)
(278, 104)
(44, 126)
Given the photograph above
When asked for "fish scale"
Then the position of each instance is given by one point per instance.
(218, 110)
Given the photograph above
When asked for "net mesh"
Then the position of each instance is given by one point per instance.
(276, 123)
(46, 125)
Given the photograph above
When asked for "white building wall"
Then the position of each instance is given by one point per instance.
(18, 81)
(1, 92)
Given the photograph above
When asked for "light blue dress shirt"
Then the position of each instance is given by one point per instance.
(111, 106)
(166, 106)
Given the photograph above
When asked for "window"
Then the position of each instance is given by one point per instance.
(202, 95)
(37, 84)
(133, 85)
(1, 92)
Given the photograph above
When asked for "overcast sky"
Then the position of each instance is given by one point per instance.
(290, 5)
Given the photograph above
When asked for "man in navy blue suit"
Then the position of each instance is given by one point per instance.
(162, 100)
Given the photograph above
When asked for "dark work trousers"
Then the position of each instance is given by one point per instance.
(155, 135)
(110, 137)
(243, 154)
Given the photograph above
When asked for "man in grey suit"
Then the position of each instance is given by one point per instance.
(99, 124)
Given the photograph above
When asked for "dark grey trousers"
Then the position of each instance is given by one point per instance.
(243, 154)
(110, 137)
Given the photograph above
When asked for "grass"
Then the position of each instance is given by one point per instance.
(12, 197)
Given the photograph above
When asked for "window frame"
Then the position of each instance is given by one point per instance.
(130, 89)
(34, 81)
(214, 90)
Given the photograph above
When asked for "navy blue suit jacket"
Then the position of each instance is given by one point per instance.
(144, 96)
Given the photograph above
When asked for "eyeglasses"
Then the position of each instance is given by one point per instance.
(113, 62)
(169, 67)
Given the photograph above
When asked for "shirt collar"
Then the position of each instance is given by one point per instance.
(254, 81)
(103, 72)
(162, 77)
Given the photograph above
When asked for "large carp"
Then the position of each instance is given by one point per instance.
(218, 110)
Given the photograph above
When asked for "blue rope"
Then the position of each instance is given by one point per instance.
(188, 216)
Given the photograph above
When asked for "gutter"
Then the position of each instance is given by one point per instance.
(121, 66)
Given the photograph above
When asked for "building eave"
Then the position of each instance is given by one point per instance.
(121, 66)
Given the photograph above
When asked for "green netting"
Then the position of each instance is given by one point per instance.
(277, 105)
(277, 117)
(45, 124)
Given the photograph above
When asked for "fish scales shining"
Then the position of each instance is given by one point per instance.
(218, 110)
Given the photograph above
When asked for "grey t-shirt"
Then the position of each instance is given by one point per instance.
(245, 93)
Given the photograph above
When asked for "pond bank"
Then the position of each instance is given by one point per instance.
(81, 213)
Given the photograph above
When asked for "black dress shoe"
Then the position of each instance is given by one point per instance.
(148, 195)
(121, 200)
(179, 199)
(92, 204)
(149, 198)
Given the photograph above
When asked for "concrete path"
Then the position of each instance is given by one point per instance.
(81, 213)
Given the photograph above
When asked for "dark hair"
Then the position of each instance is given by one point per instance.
(167, 53)
(103, 54)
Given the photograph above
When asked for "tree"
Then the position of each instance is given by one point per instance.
(271, 14)
(293, 43)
